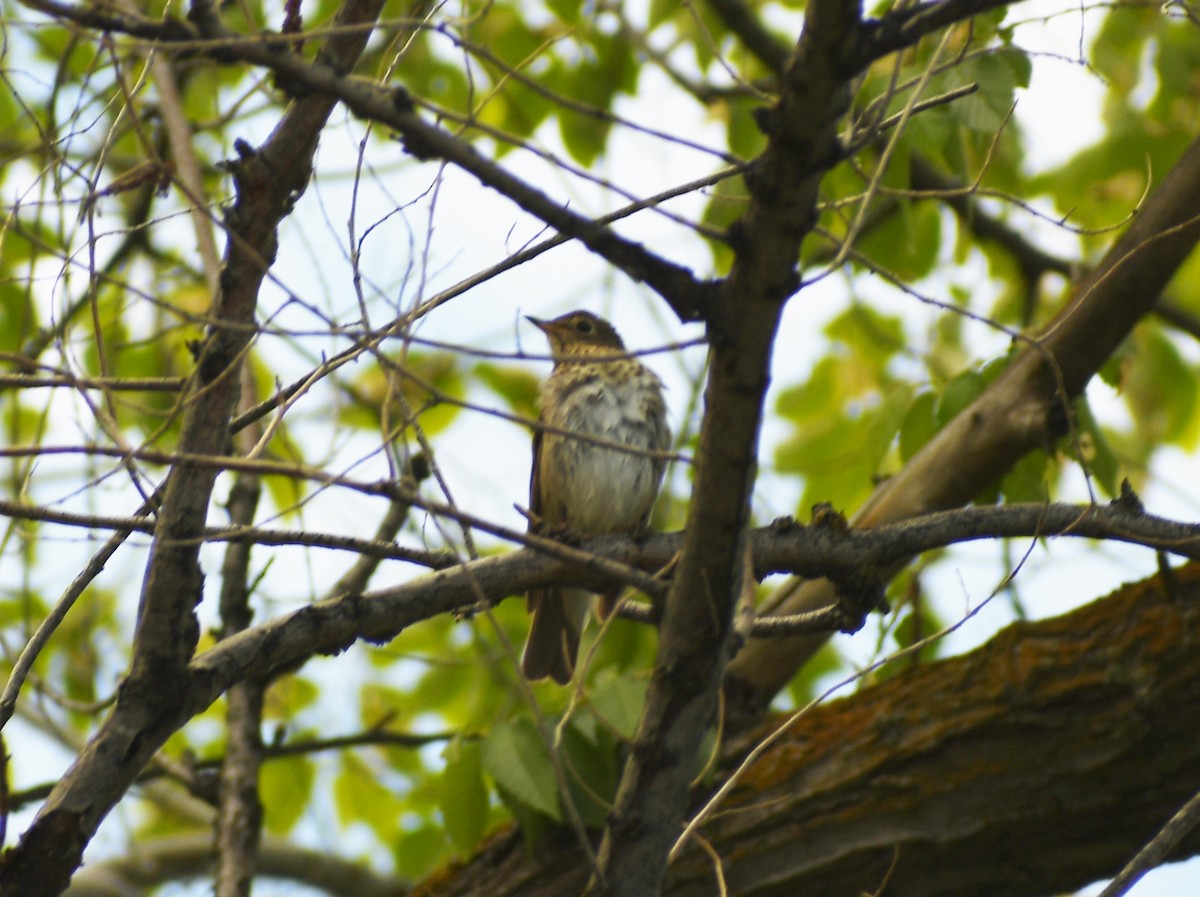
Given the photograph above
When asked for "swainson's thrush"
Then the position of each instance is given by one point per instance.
(595, 395)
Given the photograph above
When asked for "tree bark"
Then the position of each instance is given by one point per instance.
(151, 696)
(1034, 765)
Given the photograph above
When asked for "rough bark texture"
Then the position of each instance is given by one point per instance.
(239, 808)
(695, 636)
(1033, 765)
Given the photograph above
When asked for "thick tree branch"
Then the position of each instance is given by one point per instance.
(998, 750)
(847, 555)
(822, 549)
(696, 634)
(1025, 408)
(268, 184)
(239, 810)
(899, 29)
(183, 857)
(1035, 764)
(903, 26)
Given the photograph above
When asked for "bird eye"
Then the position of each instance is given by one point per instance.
(584, 326)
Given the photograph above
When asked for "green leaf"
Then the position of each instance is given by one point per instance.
(606, 69)
(1102, 185)
(567, 10)
(591, 763)
(515, 756)
(288, 695)
(827, 661)
(998, 75)
(1177, 62)
(661, 11)
(840, 456)
(1117, 50)
(1184, 288)
(518, 386)
(919, 424)
(907, 242)
(820, 396)
(746, 138)
(360, 796)
(285, 787)
(21, 422)
(419, 386)
(419, 851)
(618, 704)
(960, 392)
(18, 314)
(872, 336)
(1029, 479)
(727, 202)
(1161, 390)
(1101, 460)
(463, 798)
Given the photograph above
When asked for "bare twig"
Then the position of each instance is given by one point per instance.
(1156, 850)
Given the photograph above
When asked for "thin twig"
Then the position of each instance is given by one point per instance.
(1156, 850)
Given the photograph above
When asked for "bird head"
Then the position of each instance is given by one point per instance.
(579, 333)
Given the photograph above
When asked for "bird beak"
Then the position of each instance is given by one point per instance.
(537, 322)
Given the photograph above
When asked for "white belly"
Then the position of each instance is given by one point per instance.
(596, 489)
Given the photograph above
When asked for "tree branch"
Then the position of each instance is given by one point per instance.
(394, 108)
(178, 858)
(821, 549)
(1025, 408)
(268, 183)
(696, 636)
(845, 554)
(239, 808)
(903, 26)
(980, 774)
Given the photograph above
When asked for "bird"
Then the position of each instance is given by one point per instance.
(595, 396)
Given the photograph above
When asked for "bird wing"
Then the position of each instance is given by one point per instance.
(535, 502)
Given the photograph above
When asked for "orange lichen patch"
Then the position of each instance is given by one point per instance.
(1108, 649)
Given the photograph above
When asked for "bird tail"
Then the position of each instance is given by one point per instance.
(553, 646)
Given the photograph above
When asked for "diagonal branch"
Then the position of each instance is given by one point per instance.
(268, 183)
(688, 296)
(696, 637)
(903, 26)
(969, 768)
(1024, 408)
